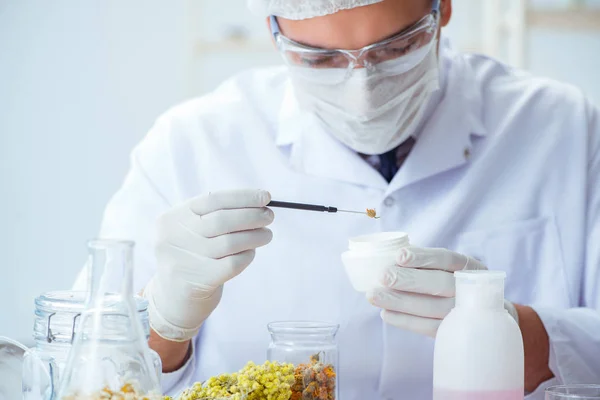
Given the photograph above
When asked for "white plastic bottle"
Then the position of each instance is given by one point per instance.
(479, 348)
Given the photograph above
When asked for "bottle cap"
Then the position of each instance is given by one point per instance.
(480, 289)
(481, 277)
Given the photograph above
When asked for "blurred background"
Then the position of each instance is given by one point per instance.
(81, 82)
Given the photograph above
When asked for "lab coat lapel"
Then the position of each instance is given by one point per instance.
(446, 139)
(315, 152)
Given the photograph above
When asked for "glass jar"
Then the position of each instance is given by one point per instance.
(577, 391)
(56, 319)
(312, 348)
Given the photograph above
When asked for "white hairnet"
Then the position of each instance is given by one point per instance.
(303, 9)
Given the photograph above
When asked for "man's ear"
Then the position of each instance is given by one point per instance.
(446, 12)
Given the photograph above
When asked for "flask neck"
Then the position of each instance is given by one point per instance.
(111, 269)
(110, 307)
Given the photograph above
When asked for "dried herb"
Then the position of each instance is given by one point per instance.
(269, 381)
(126, 392)
(314, 381)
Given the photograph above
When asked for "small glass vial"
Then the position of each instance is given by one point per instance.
(312, 348)
(56, 318)
(573, 392)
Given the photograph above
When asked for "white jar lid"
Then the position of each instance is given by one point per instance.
(379, 241)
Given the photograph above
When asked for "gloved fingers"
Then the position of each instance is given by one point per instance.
(411, 303)
(435, 258)
(237, 242)
(432, 282)
(222, 222)
(217, 247)
(229, 200)
(231, 266)
(412, 323)
(199, 276)
(216, 272)
(431, 258)
(177, 264)
(474, 264)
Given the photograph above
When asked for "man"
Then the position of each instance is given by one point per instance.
(483, 166)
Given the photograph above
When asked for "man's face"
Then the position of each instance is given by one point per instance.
(362, 26)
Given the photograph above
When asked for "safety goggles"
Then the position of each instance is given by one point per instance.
(391, 56)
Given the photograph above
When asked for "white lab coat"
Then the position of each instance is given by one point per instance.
(506, 169)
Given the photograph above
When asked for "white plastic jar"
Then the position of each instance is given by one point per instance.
(369, 256)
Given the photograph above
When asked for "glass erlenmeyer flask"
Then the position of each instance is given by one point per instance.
(110, 353)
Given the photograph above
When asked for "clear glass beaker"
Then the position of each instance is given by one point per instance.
(57, 316)
(312, 348)
(579, 392)
(110, 353)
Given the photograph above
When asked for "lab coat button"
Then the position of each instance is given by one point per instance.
(467, 153)
(389, 201)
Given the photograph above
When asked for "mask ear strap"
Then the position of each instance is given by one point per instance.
(435, 9)
(275, 26)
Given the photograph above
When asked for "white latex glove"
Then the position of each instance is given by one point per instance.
(419, 291)
(201, 245)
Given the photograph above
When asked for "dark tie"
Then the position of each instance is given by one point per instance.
(390, 162)
(388, 165)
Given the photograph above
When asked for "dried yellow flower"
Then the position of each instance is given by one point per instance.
(371, 213)
(126, 392)
(269, 381)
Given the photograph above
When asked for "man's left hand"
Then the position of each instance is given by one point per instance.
(418, 292)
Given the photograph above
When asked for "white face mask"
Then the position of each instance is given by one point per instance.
(374, 110)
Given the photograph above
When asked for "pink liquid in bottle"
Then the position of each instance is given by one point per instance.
(516, 394)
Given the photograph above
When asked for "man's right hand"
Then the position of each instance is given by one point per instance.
(201, 245)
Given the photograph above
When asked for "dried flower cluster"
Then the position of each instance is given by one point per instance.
(314, 381)
(270, 381)
(371, 213)
(126, 392)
